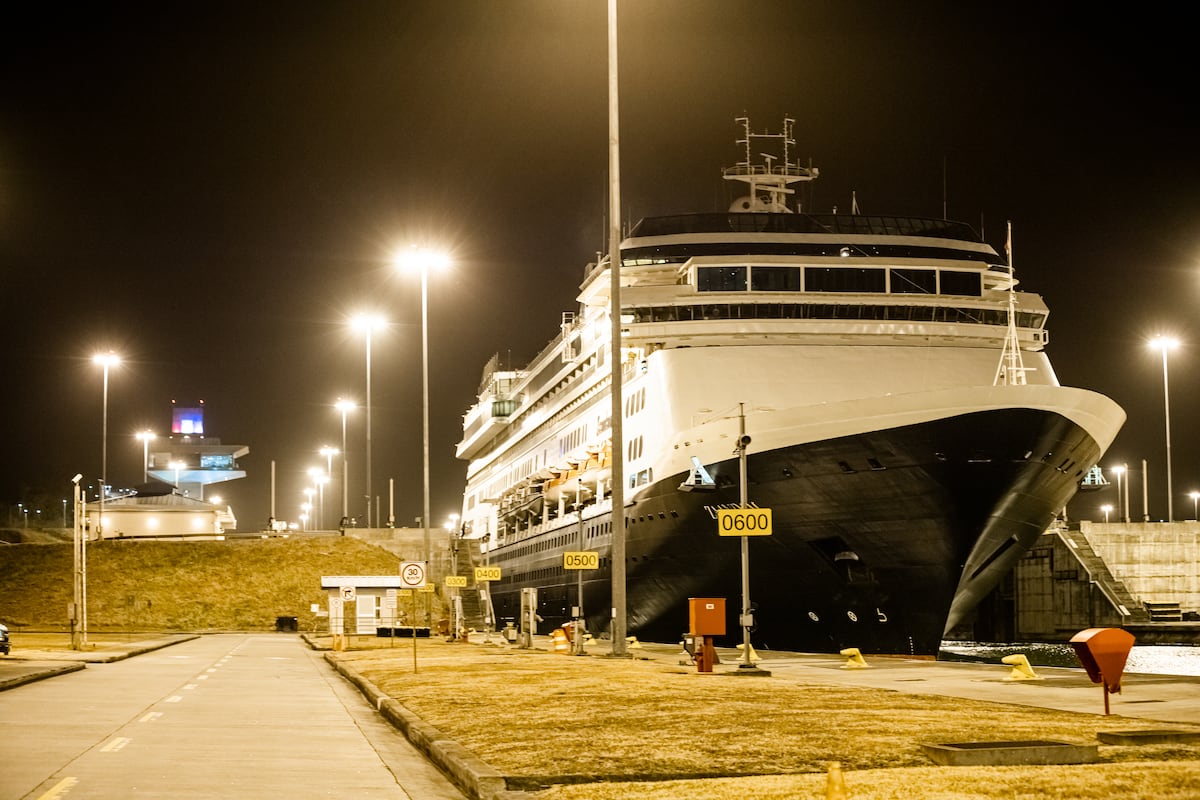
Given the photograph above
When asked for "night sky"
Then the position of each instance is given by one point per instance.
(213, 189)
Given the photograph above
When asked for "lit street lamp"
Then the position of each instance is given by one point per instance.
(145, 437)
(1122, 498)
(420, 259)
(1106, 508)
(1166, 343)
(1195, 497)
(177, 465)
(106, 360)
(345, 406)
(368, 323)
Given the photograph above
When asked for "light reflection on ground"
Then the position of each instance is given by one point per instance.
(1163, 659)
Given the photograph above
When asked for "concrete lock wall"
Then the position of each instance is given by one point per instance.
(1158, 561)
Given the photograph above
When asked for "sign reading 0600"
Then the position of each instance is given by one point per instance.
(744, 521)
(584, 559)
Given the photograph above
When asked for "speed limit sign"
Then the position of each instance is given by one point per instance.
(412, 573)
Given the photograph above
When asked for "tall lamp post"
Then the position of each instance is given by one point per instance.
(1195, 501)
(424, 260)
(105, 360)
(1122, 497)
(329, 453)
(367, 323)
(344, 406)
(145, 437)
(1165, 344)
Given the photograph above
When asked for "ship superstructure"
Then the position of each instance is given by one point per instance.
(908, 459)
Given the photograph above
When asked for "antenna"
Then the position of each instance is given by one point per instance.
(1011, 370)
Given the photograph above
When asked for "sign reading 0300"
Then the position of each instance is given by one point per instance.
(585, 559)
(744, 521)
(487, 574)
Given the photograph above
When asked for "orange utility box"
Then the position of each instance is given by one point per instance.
(706, 616)
(1103, 653)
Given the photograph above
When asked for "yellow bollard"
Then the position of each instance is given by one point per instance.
(753, 655)
(1021, 670)
(835, 783)
(856, 660)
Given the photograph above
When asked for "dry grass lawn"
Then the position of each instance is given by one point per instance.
(635, 729)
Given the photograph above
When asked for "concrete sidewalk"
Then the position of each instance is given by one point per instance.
(1165, 698)
(25, 665)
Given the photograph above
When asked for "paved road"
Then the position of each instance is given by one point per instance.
(1161, 698)
(237, 715)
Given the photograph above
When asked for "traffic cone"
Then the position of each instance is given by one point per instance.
(561, 645)
(633, 643)
(835, 783)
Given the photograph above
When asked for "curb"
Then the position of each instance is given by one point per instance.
(469, 772)
(40, 673)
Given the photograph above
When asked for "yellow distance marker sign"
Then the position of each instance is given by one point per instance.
(483, 574)
(744, 521)
(456, 581)
(584, 559)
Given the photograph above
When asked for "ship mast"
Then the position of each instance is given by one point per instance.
(770, 181)
(1011, 370)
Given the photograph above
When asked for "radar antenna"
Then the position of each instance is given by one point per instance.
(770, 180)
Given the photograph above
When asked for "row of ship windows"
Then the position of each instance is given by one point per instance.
(635, 402)
(978, 316)
(878, 280)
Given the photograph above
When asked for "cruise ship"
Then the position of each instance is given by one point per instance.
(902, 420)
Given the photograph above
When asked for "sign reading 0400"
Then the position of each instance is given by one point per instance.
(744, 521)
(585, 559)
(487, 574)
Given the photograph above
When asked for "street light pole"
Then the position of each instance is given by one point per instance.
(145, 437)
(1195, 498)
(423, 260)
(1119, 471)
(106, 360)
(1165, 343)
(345, 406)
(368, 323)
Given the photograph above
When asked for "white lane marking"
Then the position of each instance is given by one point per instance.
(115, 745)
(201, 677)
(175, 698)
(191, 685)
(150, 717)
(59, 789)
(213, 669)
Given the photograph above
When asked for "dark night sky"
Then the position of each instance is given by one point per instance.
(212, 189)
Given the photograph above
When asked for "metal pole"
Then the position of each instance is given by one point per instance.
(1167, 415)
(345, 471)
(425, 410)
(614, 268)
(103, 456)
(1125, 468)
(579, 616)
(746, 612)
(1145, 492)
(368, 492)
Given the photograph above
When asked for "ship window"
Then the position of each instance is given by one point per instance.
(914, 281)
(842, 279)
(721, 279)
(775, 279)
(968, 284)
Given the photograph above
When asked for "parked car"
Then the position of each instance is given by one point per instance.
(5, 643)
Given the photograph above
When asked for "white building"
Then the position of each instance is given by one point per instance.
(168, 516)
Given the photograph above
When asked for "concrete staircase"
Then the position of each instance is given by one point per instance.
(1110, 586)
(474, 597)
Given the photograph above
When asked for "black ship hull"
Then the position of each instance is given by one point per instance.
(881, 540)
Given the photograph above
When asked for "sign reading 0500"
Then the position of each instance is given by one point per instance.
(585, 559)
(744, 521)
